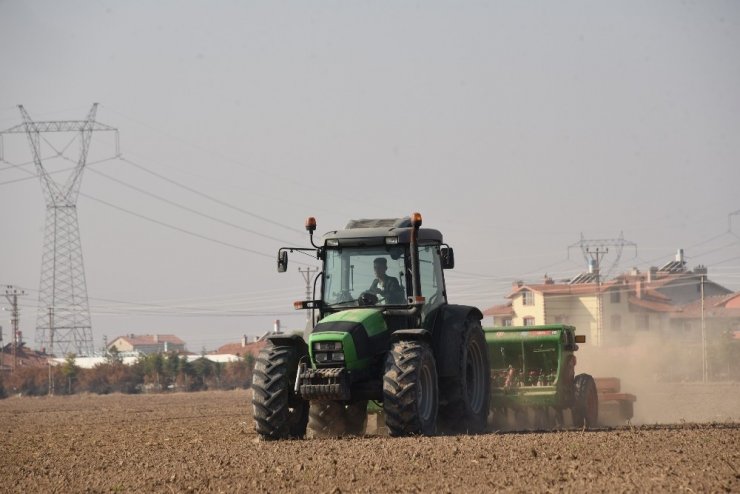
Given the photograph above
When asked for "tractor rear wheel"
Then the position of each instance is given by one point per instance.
(466, 395)
(410, 393)
(279, 413)
(586, 408)
(333, 418)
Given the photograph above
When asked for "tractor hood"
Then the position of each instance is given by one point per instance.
(363, 333)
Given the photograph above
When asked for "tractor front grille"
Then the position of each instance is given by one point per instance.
(325, 384)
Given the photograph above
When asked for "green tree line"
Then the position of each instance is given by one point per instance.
(150, 373)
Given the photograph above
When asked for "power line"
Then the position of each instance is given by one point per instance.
(33, 175)
(12, 165)
(179, 229)
(173, 227)
(161, 223)
(209, 197)
(224, 303)
(187, 208)
(231, 160)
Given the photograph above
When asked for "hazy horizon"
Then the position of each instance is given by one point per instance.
(514, 128)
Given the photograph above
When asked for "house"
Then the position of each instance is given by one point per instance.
(242, 348)
(21, 356)
(719, 313)
(145, 344)
(610, 312)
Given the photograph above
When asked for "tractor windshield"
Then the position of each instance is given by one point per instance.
(350, 272)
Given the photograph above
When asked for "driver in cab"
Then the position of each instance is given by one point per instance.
(385, 286)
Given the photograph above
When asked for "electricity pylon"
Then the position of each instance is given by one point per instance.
(602, 247)
(63, 320)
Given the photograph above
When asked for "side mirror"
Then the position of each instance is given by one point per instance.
(282, 261)
(448, 257)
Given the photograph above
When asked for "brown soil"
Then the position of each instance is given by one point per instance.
(206, 442)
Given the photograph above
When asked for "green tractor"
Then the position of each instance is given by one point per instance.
(381, 334)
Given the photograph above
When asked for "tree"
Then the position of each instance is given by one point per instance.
(113, 356)
(250, 360)
(152, 366)
(172, 368)
(70, 370)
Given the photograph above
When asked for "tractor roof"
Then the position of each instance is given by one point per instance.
(375, 231)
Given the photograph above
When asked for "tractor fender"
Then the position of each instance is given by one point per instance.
(411, 334)
(449, 324)
(291, 340)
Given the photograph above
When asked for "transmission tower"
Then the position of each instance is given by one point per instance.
(594, 249)
(63, 319)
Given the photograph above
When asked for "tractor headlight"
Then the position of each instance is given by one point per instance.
(328, 351)
(327, 346)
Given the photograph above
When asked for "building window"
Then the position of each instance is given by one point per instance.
(642, 322)
(616, 321)
(529, 321)
(508, 322)
(615, 296)
(527, 298)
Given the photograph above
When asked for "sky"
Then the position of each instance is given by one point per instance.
(515, 128)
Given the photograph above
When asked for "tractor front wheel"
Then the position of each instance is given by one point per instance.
(586, 409)
(410, 392)
(279, 413)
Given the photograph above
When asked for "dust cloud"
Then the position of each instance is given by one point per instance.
(665, 375)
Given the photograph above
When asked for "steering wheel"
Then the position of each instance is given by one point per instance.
(367, 298)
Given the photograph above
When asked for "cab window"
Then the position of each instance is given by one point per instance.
(432, 281)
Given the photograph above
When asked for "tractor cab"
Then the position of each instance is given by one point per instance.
(392, 265)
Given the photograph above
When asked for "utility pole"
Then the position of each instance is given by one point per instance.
(11, 293)
(593, 251)
(306, 273)
(2, 351)
(51, 342)
(62, 283)
(595, 268)
(704, 362)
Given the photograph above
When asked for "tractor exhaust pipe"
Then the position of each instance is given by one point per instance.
(416, 223)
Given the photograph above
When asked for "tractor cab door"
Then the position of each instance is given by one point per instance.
(432, 283)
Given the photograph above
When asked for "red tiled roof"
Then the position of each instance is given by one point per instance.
(709, 302)
(148, 339)
(239, 349)
(499, 310)
(654, 305)
(731, 301)
(565, 288)
(723, 306)
(25, 357)
(591, 289)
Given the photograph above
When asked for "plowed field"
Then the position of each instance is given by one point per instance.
(206, 442)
